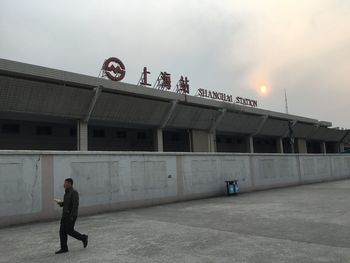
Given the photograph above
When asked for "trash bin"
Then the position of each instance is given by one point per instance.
(232, 187)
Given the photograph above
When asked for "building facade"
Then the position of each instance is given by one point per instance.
(49, 109)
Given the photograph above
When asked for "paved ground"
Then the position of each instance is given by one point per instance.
(298, 224)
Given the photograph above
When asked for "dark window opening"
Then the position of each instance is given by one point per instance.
(121, 134)
(228, 140)
(239, 141)
(43, 130)
(175, 137)
(73, 132)
(10, 128)
(98, 133)
(141, 135)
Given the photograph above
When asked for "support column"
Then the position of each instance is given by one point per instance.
(341, 147)
(212, 130)
(323, 147)
(82, 135)
(200, 141)
(279, 144)
(158, 140)
(250, 144)
(212, 142)
(301, 144)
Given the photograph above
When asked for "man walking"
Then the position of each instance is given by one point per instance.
(70, 206)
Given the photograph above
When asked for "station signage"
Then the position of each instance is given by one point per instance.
(225, 97)
(214, 95)
(246, 102)
(114, 69)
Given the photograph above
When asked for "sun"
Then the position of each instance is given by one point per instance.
(263, 89)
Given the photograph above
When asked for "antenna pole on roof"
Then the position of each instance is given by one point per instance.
(286, 100)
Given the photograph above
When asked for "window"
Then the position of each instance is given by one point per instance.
(10, 128)
(218, 139)
(98, 133)
(175, 137)
(239, 141)
(141, 135)
(73, 132)
(228, 140)
(43, 130)
(121, 134)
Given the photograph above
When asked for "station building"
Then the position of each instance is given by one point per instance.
(49, 109)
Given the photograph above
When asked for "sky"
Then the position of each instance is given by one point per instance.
(231, 46)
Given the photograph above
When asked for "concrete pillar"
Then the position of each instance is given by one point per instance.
(323, 147)
(301, 144)
(158, 140)
(250, 144)
(341, 147)
(279, 144)
(212, 142)
(200, 141)
(82, 135)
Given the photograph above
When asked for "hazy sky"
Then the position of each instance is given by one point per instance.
(229, 46)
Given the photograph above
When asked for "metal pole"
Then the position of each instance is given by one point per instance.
(286, 100)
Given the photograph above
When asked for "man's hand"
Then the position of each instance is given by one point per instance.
(59, 202)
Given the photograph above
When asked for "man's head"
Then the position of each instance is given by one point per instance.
(68, 183)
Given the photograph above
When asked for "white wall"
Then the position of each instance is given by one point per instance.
(104, 179)
(20, 184)
(110, 181)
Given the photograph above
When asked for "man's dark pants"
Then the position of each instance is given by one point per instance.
(67, 228)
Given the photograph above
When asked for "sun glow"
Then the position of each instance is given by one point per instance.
(263, 89)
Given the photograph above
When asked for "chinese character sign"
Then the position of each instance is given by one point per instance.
(143, 80)
(166, 81)
(183, 86)
(163, 82)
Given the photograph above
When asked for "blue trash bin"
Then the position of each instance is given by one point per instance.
(232, 187)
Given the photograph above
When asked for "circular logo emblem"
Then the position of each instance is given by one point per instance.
(114, 69)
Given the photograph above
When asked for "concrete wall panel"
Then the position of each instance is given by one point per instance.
(201, 175)
(340, 166)
(237, 168)
(105, 179)
(20, 185)
(275, 170)
(111, 180)
(315, 168)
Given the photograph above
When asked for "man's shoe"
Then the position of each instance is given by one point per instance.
(86, 241)
(61, 251)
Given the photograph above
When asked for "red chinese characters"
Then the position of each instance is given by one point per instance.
(183, 86)
(163, 82)
(143, 80)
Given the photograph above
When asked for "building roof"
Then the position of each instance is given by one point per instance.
(36, 90)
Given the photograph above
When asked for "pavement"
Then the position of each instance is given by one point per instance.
(309, 223)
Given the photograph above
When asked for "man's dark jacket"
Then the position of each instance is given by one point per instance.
(70, 203)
